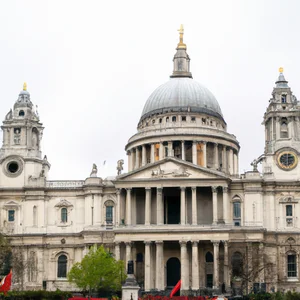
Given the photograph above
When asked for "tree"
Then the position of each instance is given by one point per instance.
(5, 255)
(98, 270)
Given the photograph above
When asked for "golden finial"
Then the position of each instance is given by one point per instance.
(181, 31)
(281, 69)
(25, 86)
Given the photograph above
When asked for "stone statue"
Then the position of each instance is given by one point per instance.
(17, 136)
(94, 171)
(120, 164)
(254, 165)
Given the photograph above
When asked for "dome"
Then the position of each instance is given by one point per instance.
(182, 94)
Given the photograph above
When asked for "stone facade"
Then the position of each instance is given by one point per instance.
(181, 211)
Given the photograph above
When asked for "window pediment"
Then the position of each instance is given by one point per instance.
(288, 199)
(64, 203)
(11, 204)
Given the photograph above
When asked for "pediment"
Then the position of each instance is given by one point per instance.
(11, 204)
(171, 168)
(63, 203)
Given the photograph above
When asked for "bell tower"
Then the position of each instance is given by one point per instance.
(282, 131)
(20, 154)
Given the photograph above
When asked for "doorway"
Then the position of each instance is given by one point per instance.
(173, 271)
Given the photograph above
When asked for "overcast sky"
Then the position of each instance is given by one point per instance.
(91, 65)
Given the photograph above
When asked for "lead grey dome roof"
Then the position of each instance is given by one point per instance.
(182, 94)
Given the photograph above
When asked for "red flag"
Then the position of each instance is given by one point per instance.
(6, 283)
(176, 288)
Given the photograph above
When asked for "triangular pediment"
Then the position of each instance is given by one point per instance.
(11, 203)
(171, 168)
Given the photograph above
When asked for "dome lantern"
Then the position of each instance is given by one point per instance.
(181, 59)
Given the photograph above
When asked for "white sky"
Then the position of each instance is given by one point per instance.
(91, 65)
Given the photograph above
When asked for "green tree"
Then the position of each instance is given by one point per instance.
(98, 270)
(5, 255)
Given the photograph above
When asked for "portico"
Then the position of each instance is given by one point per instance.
(163, 255)
(185, 205)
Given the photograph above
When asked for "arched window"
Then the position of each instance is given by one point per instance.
(173, 119)
(236, 210)
(291, 265)
(64, 215)
(237, 264)
(62, 266)
(209, 257)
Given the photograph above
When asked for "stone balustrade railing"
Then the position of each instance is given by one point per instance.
(65, 184)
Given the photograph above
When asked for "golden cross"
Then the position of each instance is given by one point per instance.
(25, 86)
(181, 31)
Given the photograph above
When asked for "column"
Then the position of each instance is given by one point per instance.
(216, 264)
(225, 204)
(137, 157)
(215, 204)
(170, 148)
(290, 127)
(224, 162)
(230, 167)
(129, 160)
(160, 277)
(277, 128)
(261, 262)
(235, 165)
(147, 277)
(128, 253)
(144, 157)
(184, 266)
(204, 154)
(132, 155)
(226, 267)
(159, 207)
(128, 206)
(216, 156)
(118, 218)
(249, 264)
(194, 206)
(161, 151)
(117, 251)
(182, 205)
(152, 154)
(182, 150)
(147, 205)
(195, 266)
(194, 152)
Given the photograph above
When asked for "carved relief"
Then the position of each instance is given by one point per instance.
(288, 199)
(180, 172)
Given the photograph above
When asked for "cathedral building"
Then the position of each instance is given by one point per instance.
(182, 211)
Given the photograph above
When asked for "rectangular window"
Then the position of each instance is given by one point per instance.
(236, 210)
(183, 118)
(289, 210)
(109, 214)
(11, 215)
(193, 119)
(291, 266)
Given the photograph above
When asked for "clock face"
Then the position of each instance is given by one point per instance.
(287, 160)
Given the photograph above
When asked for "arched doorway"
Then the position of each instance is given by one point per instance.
(173, 271)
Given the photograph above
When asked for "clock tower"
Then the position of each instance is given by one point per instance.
(282, 132)
(21, 162)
